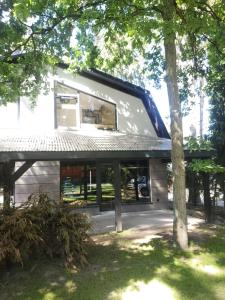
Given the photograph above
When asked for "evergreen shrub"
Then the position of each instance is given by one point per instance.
(40, 227)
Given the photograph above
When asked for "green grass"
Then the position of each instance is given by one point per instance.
(120, 269)
(107, 194)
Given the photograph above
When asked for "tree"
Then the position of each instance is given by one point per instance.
(206, 168)
(216, 92)
(35, 35)
(163, 22)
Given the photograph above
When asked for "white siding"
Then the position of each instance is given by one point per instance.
(42, 177)
(42, 115)
(131, 114)
(9, 115)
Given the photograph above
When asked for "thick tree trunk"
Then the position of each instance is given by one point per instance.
(177, 154)
(201, 110)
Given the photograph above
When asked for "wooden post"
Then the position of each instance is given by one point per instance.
(117, 186)
(98, 183)
(8, 184)
(8, 178)
(85, 183)
(149, 183)
(136, 184)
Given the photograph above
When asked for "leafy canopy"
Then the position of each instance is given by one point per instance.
(108, 34)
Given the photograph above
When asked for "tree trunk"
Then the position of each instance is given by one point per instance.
(177, 153)
(201, 97)
(207, 199)
(194, 196)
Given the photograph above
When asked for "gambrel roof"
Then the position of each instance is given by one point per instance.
(131, 89)
(59, 144)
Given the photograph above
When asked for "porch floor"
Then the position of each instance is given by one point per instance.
(140, 224)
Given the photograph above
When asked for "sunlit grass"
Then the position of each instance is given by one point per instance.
(121, 269)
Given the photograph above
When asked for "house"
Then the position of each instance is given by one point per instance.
(90, 139)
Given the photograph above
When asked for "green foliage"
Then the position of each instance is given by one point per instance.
(42, 227)
(34, 36)
(110, 35)
(202, 165)
(198, 144)
(206, 166)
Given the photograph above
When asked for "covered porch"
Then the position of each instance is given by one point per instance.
(105, 170)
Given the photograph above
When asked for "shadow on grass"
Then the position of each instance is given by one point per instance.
(113, 269)
(215, 246)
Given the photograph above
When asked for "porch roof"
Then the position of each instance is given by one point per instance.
(98, 144)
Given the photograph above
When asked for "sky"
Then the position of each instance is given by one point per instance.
(161, 100)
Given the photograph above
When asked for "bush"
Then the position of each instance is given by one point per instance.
(43, 227)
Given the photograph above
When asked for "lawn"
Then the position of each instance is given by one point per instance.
(121, 268)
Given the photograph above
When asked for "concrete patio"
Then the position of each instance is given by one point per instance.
(143, 223)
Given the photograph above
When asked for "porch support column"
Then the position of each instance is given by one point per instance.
(117, 187)
(9, 177)
(85, 183)
(98, 183)
(8, 183)
(136, 183)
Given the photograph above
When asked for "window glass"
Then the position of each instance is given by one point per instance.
(135, 181)
(78, 184)
(99, 113)
(66, 106)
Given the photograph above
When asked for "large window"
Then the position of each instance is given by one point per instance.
(78, 183)
(76, 109)
(67, 113)
(100, 113)
(135, 181)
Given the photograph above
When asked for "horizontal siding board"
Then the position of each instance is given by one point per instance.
(40, 163)
(38, 179)
(35, 188)
(21, 198)
(159, 176)
(42, 177)
(48, 170)
(159, 182)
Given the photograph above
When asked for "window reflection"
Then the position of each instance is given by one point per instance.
(78, 183)
(66, 106)
(99, 113)
(75, 109)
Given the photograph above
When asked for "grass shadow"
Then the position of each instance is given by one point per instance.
(113, 270)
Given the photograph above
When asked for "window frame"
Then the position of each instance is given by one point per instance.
(79, 91)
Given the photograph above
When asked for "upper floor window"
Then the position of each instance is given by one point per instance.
(76, 109)
(98, 112)
(67, 114)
